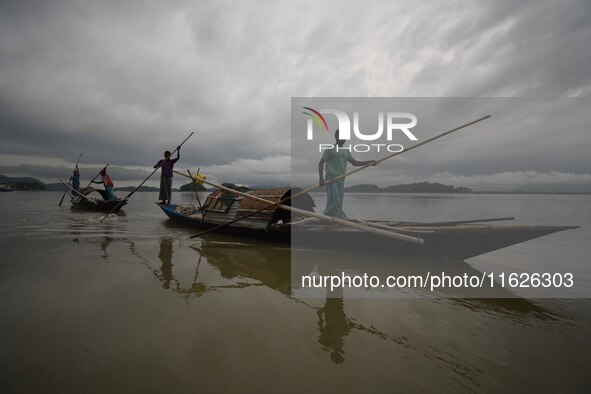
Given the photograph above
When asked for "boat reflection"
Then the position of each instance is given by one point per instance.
(103, 242)
(264, 264)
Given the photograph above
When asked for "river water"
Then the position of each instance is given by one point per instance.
(134, 305)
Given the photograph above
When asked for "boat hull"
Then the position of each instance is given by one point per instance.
(452, 242)
(458, 245)
(277, 236)
(100, 206)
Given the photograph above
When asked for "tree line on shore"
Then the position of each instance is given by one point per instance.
(32, 184)
(418, 187)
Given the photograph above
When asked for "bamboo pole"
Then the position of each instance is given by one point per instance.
(445, 223)
(474, 227)
(399, 153)
(347, 174)
(342, 222)
(377, 225)
(77, 192)
(449, 223)
(144, 181)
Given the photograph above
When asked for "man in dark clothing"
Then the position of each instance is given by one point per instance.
(75, 179)
(167, 164)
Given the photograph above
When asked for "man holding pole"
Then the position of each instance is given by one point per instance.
(107, 182)
(159, 164)
(75, 179)
(335, 160)
(167, 166)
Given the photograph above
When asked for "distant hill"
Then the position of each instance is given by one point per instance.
(260, 187)
(23, 183)
(420, 187)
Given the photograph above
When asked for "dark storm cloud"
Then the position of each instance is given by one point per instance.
(122, 81)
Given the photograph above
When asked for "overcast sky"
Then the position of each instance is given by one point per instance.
(123, 81)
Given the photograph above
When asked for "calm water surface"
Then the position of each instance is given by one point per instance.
(134, 305)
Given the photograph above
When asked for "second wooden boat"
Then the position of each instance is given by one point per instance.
(458, 239)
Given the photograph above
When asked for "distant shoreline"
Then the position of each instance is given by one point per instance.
(32, 184)
(473, 192)
(358, 192)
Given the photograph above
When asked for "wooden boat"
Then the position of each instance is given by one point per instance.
(458, 239)
(220, 207)
(99, 202)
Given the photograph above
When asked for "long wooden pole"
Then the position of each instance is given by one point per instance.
(144, 181)
(347, 174)
(448, 223)
(342, 222)
(399, 153)
(66, 190)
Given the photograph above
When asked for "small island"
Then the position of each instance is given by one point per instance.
(419, 187)
(21, 183)
(190, 187)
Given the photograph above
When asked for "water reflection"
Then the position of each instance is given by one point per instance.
(165, 273)
(194, 269)
(334, 326)
(103, 243)
(165, 256)
(327, 263)
(271, 266)
(255, 264)
(61, 297)
(266, 264)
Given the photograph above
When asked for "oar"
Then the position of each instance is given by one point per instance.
(63, 196)
(342, 176)
(90, 183)
(359, 226)
(77, 192)
(144, 181)
(66, 190)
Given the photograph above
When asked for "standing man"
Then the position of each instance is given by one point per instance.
(166, 177)
(107, 182)
(75, 179)
(336, 160)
